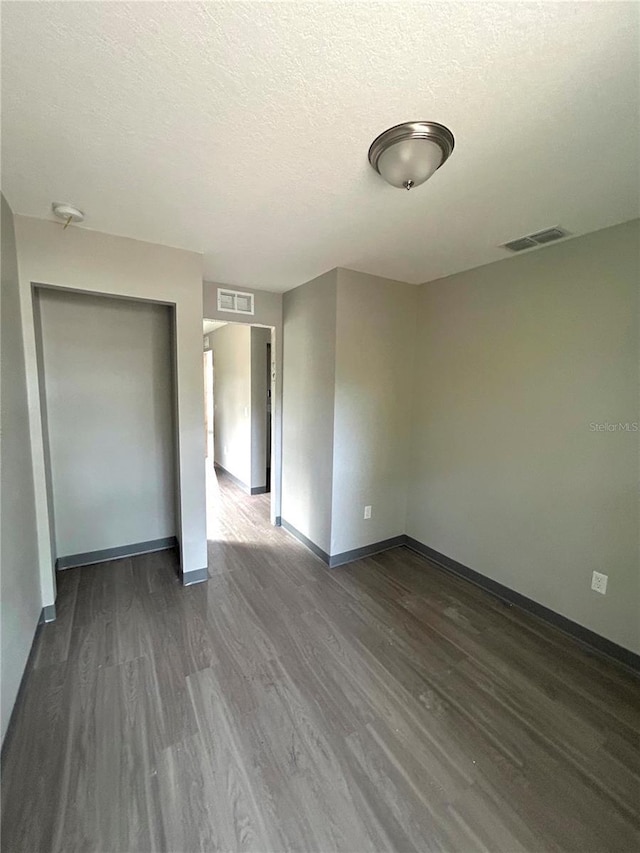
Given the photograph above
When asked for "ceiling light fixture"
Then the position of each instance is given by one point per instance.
(68, 213)
(408, 154)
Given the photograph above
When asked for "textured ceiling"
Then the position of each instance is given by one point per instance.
(241, 130)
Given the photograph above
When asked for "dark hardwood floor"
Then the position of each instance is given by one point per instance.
(384, 705)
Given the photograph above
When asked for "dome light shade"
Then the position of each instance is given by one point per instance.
(409, 162)
(408, 154)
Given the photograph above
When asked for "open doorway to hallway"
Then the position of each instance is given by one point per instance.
(239, 429)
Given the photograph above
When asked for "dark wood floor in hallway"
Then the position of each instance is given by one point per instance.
(384, 705)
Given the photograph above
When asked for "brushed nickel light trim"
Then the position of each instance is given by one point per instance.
(430, 131)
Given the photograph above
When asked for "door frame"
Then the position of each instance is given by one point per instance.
(276, 412)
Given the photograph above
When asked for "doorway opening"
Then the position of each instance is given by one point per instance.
(240, 430)
(106, 381)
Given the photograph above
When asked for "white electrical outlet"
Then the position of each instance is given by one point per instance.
(599, 583)
(367, 512)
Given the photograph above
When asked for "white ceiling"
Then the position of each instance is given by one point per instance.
(241, 130)
(209, 326)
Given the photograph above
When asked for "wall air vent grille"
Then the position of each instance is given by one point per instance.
(530, 241)
(235, 302)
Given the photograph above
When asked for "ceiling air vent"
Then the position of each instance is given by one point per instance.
(530, 241)
(520, 245)
(548, 235)
(235, 302)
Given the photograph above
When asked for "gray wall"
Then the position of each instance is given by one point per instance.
(375, 337)
(109, 409)
(20, 597)
(349, 353)
(308, 407)
(259, 383)
(231, 346)
(515, 362)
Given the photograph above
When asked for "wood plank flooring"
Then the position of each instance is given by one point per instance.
(384, 705)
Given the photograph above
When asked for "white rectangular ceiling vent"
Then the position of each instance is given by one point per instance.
(530, 241)
(235, 302)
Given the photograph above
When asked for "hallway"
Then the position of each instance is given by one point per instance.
(385, 705)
